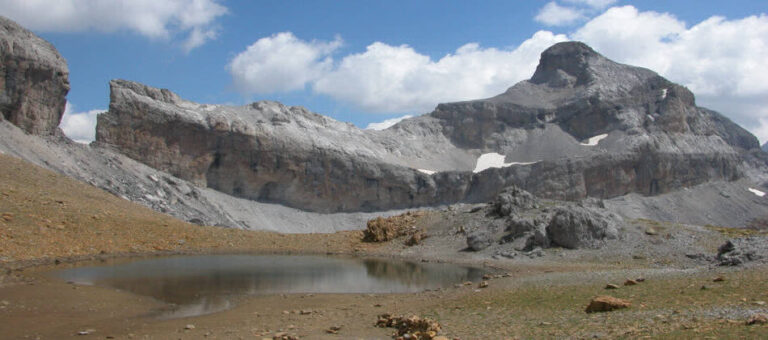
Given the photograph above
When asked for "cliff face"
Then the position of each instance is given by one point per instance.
(33, 80)
(582, 126)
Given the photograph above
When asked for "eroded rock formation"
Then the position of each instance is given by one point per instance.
(583, 126)
(34, 80)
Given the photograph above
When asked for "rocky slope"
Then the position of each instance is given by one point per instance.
(582, 126)
(34, 80)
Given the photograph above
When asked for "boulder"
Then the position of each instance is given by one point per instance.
(739, 251)
(34, 80)
(578, 227)
(606, 303)
(513, 199)
(479, 240)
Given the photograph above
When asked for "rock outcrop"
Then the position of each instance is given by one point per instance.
(529, 224)
(742, 250)
(34, 80)
(583, 126)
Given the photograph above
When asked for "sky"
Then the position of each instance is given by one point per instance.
(372, 62)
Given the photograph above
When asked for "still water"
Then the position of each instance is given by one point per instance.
(196, 285)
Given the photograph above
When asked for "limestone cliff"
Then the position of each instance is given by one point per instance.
(33, 80)
(581, 126)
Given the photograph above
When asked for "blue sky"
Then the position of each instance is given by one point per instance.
(368, 61)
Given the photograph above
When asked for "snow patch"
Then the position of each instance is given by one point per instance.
(428, 172)
(494, 160)
(663, 94)
(386, 124)
(756, 192)
(651, 118)
(594, 140)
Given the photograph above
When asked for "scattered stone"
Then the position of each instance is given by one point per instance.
(483, 284)
(416, 238)
(8, 217)
(189, 326)
(487, 277)
(606, 304)
(305, 312)
(757, 319)
(479, 240)
(333, 329)
(718, 279)
(651, 231)
(412, 327)
(630, 282)
(640, 279)
(468, 283)
(506, 254)
(611, 286)
(86, 332)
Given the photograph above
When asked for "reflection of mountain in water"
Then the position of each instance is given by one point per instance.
(420, 274)
(205, 284)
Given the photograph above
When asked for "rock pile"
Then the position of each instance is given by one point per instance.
(561, 224)
(382, 229)
(739, 251)
(411, 327)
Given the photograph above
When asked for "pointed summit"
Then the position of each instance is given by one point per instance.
(566, 64)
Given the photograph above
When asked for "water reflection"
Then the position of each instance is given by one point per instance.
(205, 284)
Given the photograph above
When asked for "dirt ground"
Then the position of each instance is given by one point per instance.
(48, 221)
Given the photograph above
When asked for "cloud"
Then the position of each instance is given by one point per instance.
(386, 124)
(553, 14)
(154, 19)
(722, 61)
(384, 78)
(595, 4)
(79, 126)
(281, 63)
(388, 78)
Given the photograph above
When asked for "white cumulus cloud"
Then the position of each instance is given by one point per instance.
(281, 63)
(79, 126)
(723, 61)
(388, 78)
(553, 14)
(386, 123)
(155, 19)
(385, 78)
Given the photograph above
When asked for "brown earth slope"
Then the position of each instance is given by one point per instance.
(46, 216)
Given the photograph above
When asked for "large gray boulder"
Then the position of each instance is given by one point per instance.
(34, 80)
(739, 251)
(581, 227)
(513, 199)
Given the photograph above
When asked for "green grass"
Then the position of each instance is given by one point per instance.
(675, 307)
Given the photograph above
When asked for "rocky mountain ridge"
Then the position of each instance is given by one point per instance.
(583, 126)
(649, 138)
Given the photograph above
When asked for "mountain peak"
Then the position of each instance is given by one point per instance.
(566, 64)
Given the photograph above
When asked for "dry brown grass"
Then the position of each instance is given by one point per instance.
(45, 215)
